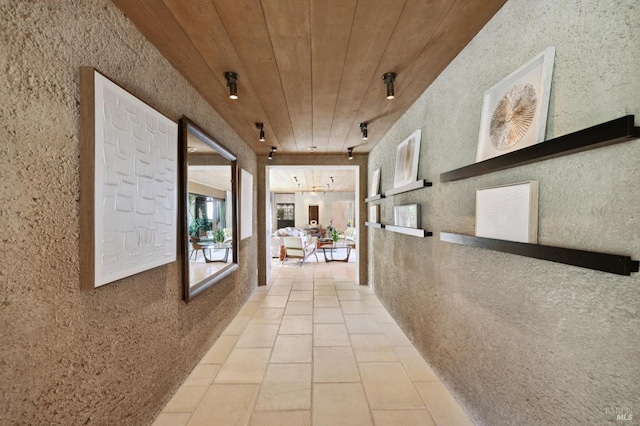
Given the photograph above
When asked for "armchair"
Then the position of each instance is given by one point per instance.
(299, 248)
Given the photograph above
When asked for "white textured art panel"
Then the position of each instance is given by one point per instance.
(508, 212)
(246, 204)
(135, 184)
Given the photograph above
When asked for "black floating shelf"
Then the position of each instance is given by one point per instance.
(615, 264)
(609, 133)
(416, 232)
(374, 198)
(421, 183)
(374, 225)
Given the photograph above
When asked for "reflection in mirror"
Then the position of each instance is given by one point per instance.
(208, 197)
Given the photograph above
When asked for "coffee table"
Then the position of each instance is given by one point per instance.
(330, 248)
(216, 246)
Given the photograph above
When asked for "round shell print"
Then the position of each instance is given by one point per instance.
(513, 116)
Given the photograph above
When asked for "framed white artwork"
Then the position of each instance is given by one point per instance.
(128, 193)
(508, 212)
(407, 157)
(246, 204)
(374, 214)
(514, 111)
(374, 189)
(407, 216)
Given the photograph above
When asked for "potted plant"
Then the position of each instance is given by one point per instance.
(334, 235)
(218, 235)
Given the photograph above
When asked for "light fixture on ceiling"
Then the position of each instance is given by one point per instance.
(312, 148)
(295, 178)
(365, 131)
(261, 126)
(350, 151)
(331, 177)
(273, 149)
(388, 79)
(191, 149)
(232, 84)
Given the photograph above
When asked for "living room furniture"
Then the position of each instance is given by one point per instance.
(299, 248)
(277, 238)
(330, 248)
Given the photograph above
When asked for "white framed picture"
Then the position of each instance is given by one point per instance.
(374, 189)
(407, 157)
(407, 216)
(374, 214)
(246, 204)
(514, 111)
(508, 212)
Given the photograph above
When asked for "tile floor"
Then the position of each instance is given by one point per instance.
(312, 348)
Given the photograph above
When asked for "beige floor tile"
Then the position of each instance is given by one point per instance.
(172, 419)
(371, 300)
(301, 295)
(258, 336)
(340, 404)
(402, 417)
(394, 334)
(328, 315)
(349, 295)
(351, 307)
(334, 364)
(387, 386)
(381, 315)
(292, 348)
(274, 302)
(286, 387)
(220, 350)
(325, 301)
(267, 316)
(258, 295)
(330, 335)
(302, 286)
(248, 309)
(362, 324)
(443, 407)
(279, 291)
(186, 399)
(282, 282)
(226, 405)
(296, 324)
(372, 348)
(325, 290)
(202, 375)
(299, 308)
(244, 365)
(415, 366)
(237, 326)
(343, 284)
(281, 418)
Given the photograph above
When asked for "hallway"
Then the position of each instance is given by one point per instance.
(312, 349)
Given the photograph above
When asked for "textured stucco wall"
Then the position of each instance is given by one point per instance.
(519, 340)
(116, 354)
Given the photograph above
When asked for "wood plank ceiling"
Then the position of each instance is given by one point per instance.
(311, 70)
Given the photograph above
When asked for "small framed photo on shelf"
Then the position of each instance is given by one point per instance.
(374, 213)
(514, 111)
(508, 212)
(407, 216)
(374, 189)
(407, 157)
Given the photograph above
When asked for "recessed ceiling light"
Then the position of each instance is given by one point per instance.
(312, 148)
(191, 149)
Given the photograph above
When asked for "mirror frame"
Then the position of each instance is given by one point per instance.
(186, 126)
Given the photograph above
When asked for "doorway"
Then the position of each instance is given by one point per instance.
(314, 217)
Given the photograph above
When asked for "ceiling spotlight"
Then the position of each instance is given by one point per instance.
(331, 177)
(295, 178)
(312, 148)
(261, 126)
(388, 79)
(191, 149)
(232, 84)
(273, 149)
(350, 151)
(365, 132)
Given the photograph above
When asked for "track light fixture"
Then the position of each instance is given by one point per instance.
(261, 126)
(331, 177)
(232, 84)
(365, 132)
(350, 151)
(273, 149)
(388, 79)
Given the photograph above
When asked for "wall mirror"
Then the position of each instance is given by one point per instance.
(208, 208)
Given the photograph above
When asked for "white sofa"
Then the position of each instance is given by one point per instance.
(277, 238)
